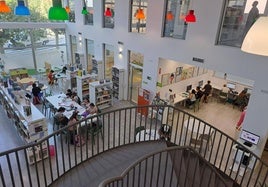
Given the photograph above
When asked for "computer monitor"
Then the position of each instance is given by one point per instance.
(200, 83)
(249, 138)
(231, 85)
(188, 88)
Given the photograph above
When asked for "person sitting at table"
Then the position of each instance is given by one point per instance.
(75, 98)
(69, 93)
(225, 89)
(85, 103)
(191, 98)
(72, 128)
(199, 93)
(36, 91)
(62, 120)
(50, 77)
(165, 132)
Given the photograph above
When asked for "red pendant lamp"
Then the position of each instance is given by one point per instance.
(190, 17)
(169, 16)
(108, 13)
(140, 14)
(4, 8)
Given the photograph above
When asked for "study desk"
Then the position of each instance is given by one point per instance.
(26, 80)
(147, 134)
(240, 154)
(61, 100)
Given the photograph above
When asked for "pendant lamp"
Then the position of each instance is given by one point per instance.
(140, 14)
(84, 11)
(169, 16)
(256, 40)
(68, 10)
(4, 8)
(56, 12)
(21, 9)
(108, 13)
(190, 17)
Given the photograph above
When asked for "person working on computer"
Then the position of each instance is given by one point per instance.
(241, 119)
(225, 89)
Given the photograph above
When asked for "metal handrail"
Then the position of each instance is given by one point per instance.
(118, 127)
(115, 180)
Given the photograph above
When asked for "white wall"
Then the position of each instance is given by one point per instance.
(200, 42)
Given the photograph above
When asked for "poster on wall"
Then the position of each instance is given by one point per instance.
(165, 79)
(195, 71)
(190, 72)
(178, 74)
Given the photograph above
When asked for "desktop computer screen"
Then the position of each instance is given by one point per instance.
(249, 138)
(188, 88)
(231, 85)
(200, 83)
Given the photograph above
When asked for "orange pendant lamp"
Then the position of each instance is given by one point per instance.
(140, 14)
(4, 8)
(169, 16)
(190, 17)
(68, 10)
(108, 12)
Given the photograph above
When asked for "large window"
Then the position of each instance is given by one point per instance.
(73, 47)
(36, 46)
(71, 4)
(239, 15)
(88, 4)
(108, 61)
(138, 16)
(38, 11)
(174, 24)
(108, 15)
(90, 54)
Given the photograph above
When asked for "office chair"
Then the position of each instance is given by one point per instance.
(222, 97)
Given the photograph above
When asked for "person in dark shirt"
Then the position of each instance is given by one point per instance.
(36, 91)
(207, 90)
(199, 93)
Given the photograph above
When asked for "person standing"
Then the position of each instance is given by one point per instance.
(241, 119)
(253, 15)
(199, 93)
(207, 90)
(36, 91)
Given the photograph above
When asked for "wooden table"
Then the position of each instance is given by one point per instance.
(26, 80)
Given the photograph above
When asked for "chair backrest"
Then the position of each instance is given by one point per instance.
(207, 137)
(223, 94)
(138, 129)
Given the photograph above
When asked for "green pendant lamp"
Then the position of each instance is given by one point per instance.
(84, 11)
(57, 12)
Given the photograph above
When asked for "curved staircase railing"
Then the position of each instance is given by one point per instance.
(53, 156)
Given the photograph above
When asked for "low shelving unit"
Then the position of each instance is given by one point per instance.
(101, 94)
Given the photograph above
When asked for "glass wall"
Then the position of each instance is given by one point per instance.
(36, 46)
(138, 16)
(108, 18)
(174, 24)
(238, 17)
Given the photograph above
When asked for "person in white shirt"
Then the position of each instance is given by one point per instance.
(225, 89)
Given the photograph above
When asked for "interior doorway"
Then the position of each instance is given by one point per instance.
(135, 80)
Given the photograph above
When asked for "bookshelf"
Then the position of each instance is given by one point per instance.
(83, 85)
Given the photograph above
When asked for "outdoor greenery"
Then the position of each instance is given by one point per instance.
(17, 37)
